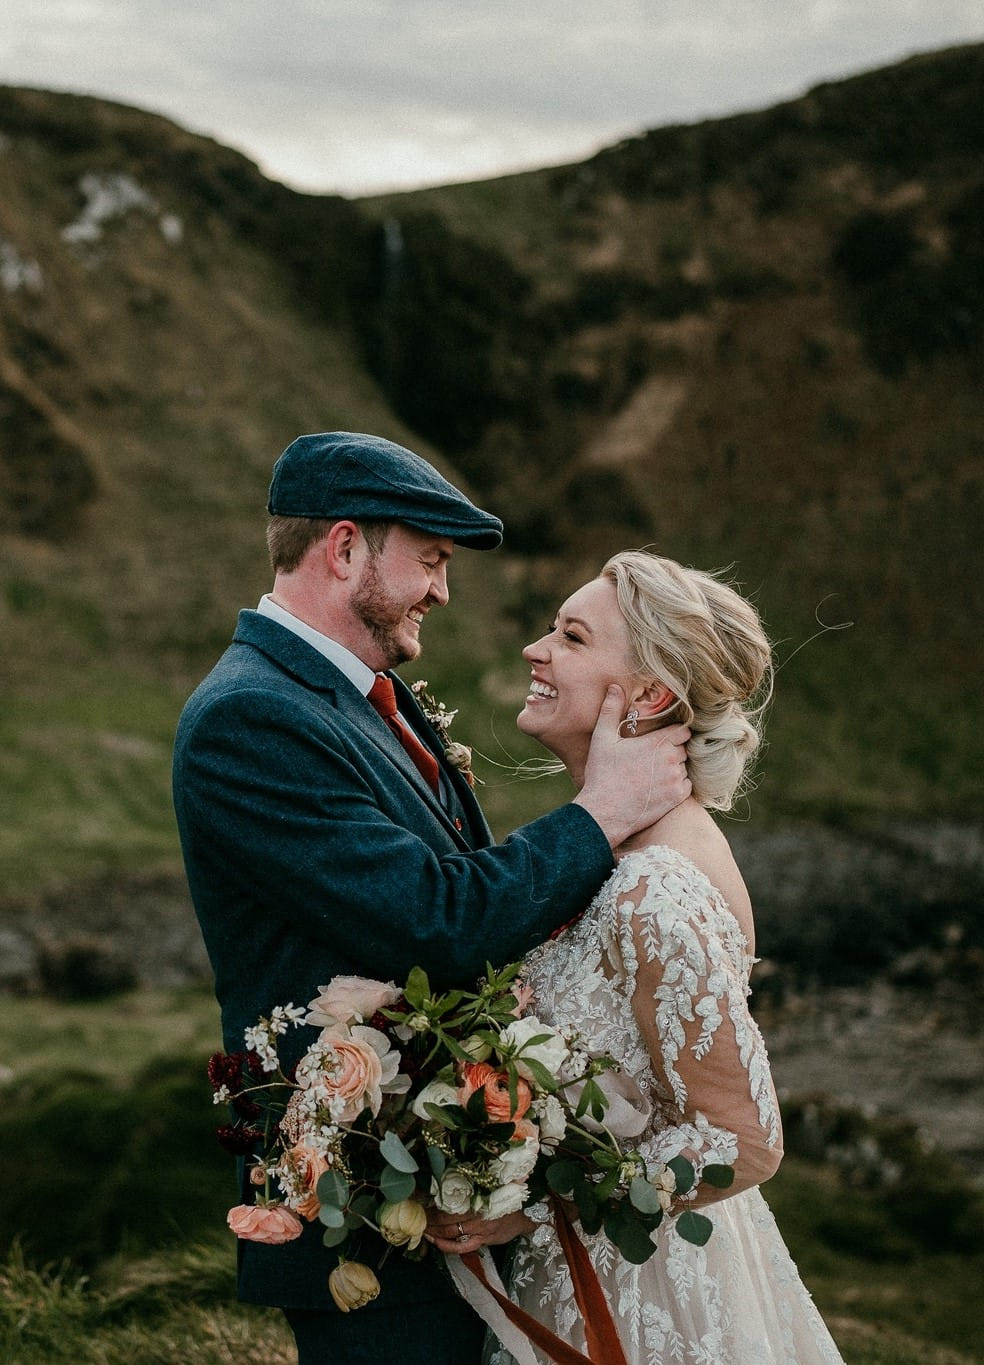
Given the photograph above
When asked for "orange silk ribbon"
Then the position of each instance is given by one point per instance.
(604, 1347)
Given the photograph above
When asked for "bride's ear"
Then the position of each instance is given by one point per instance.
(653, 700)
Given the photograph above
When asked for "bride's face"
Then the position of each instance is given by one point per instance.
(587, 649)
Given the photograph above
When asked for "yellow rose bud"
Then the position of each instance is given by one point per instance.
(477, 1048)
(352, 1285)
(403, 1224)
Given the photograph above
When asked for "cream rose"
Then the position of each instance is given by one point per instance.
(453, 1192)
(350, 997)
(551, 1053)
(551, 1118)
(435, 1092)
(506, 1199)
(516, 1162)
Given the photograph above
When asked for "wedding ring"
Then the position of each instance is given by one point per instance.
(462, 1234)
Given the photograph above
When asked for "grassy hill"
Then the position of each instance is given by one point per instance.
(751, 342)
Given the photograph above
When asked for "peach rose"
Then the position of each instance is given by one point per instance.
(356, 1069)
(272, 1223)
(309, 1166)
(495, 1085)
(350, 997)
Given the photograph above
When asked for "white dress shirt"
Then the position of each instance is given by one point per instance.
(360, 675)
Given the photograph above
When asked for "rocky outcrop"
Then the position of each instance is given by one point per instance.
(832, 907)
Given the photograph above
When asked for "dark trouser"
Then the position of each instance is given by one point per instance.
(445, 1332)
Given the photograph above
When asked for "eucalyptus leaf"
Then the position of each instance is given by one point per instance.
(331, 1216)
(721, 1177)
(332, 1189)
(644, 1196)
(395, 1154)
(684, 1173)
(438, 1161)
(334, 1237)
(694, 1227)
(396, 1185)
(634, 1242)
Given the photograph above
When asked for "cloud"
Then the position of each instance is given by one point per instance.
(351, 95)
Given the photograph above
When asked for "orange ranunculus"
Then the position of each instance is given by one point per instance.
(310, 1166)
(495, 1085)
(273, 1223)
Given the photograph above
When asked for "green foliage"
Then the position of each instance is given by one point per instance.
(127, 1167)
(906, 1197)
(911, 304)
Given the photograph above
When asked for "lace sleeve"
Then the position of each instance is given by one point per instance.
(686, 960)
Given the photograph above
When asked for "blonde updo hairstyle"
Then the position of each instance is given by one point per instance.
(696, 635)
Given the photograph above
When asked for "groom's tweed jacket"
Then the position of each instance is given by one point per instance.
(314, 847)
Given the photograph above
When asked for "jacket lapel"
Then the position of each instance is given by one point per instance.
(463, 817)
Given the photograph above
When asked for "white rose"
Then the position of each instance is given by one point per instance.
(516, 1162)
(506, 1199)
(551, 1053)
(436, 1092)
(550, 1118)
(453, 1192)
(350, 997)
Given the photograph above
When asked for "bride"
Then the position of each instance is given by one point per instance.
(656, 973)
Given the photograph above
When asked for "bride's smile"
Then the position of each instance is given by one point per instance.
(586, 649)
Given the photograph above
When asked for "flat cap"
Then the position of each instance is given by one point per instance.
(338, 474)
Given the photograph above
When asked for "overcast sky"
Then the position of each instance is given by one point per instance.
(355, 96)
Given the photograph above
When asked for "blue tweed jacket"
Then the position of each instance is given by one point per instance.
(314, 847)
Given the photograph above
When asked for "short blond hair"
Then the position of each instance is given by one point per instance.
(695, 634)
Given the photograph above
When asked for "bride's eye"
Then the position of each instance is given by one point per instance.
(572, 635)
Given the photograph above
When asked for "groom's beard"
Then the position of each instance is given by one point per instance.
(385, 618)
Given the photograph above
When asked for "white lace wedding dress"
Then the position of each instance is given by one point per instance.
(658, 968)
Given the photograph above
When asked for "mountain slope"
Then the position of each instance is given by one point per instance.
(755, 342)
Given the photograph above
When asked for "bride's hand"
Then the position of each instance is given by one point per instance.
(630, 782)
(455, 1236)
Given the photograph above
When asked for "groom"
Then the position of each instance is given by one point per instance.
(319, 840)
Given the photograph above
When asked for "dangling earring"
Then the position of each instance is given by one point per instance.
(631, 722)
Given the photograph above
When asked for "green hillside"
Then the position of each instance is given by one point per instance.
(752, 342)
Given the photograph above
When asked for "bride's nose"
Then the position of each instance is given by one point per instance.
(536, 651)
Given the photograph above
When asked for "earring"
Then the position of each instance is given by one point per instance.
(631, 722)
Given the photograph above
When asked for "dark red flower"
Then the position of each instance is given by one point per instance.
(240, 1141)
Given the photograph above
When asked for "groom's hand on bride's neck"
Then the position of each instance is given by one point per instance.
(631, 782)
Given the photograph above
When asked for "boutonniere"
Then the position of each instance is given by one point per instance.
(458, 755)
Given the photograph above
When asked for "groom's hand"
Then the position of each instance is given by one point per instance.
(631, 781)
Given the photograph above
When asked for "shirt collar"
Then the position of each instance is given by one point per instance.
(360, 675)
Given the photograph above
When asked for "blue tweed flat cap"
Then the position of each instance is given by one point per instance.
(338, 474)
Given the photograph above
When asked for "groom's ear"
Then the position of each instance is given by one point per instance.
(653, 700)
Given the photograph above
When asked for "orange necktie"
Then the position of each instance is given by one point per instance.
(383, 698)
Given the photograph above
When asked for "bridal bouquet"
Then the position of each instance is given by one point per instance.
(460, 1100)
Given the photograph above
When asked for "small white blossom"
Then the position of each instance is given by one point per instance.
(222, 1095)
